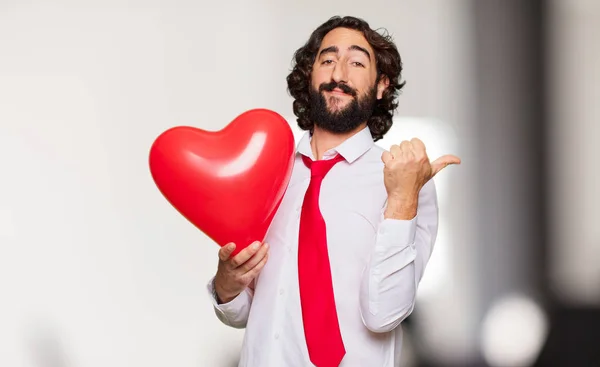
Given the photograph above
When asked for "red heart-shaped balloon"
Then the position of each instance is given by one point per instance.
(228, 183)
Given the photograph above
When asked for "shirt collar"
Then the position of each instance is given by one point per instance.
(351, 149)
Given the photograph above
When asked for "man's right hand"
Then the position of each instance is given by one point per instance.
(234, 274)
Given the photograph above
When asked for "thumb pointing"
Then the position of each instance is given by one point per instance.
(443, 162)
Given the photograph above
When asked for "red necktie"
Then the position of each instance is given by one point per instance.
(319, 315)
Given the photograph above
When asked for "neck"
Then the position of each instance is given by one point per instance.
(323, 140)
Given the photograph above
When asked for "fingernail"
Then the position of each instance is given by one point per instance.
(255, 245)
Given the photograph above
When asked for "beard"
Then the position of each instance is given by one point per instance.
(343, 119)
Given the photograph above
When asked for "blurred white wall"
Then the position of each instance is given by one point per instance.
(95, 267)
(574, 92)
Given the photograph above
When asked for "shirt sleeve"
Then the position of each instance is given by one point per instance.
(235, 312)
(397, 263)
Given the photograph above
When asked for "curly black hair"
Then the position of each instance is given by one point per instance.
(388, 61)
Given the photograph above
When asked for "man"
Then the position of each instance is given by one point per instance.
(339, 268)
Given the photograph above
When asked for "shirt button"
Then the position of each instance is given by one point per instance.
(276, 335)
(281, 291)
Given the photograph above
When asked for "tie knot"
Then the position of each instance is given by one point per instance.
(320, 168)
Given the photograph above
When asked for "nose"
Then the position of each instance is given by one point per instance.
(340, 73)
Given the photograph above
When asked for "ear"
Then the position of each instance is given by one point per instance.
(382, 85)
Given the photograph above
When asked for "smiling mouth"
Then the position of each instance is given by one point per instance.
(338, 92)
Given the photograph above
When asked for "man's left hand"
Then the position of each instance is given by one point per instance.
(407, 169)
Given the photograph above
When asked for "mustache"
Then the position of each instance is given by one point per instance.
(333, 84)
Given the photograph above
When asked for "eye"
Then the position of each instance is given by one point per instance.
(326, 62)
(359, 64)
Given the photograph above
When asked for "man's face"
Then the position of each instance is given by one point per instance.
(344, 86)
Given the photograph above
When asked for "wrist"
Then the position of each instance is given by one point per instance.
(401, 207)
(221, 296)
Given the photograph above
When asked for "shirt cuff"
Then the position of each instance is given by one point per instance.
(224, 308)
(396, 233)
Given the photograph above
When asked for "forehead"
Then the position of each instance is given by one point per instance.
(343, 38)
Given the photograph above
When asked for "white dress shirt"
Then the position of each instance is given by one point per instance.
(376, 265)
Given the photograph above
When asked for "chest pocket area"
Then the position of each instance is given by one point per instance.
(352, 223)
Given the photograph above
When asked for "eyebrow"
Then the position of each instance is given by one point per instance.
(335, 49)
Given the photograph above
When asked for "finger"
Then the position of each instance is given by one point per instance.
(417, 143)
(386, 157)
(407, 150)
(245, 254)
(251, 263)
(443, 162)
(418, 148)
(395, 151)
(256, 270)
(226, 251)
